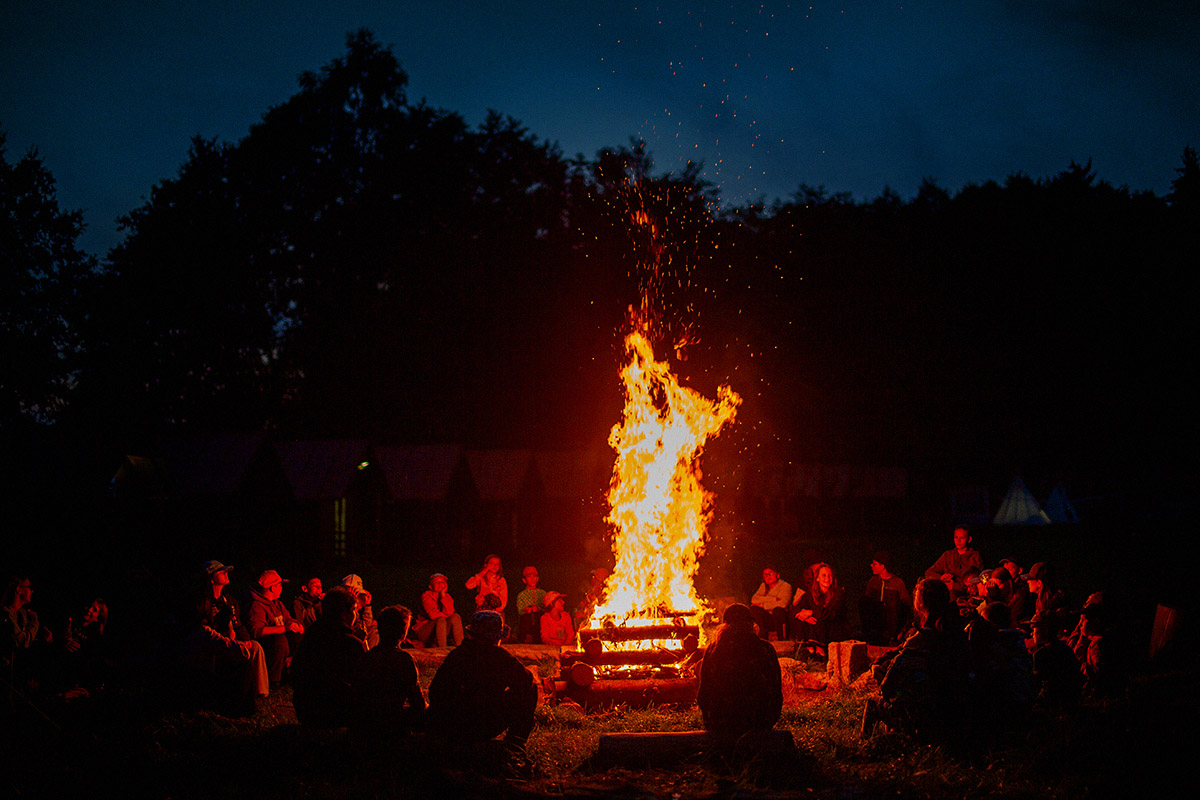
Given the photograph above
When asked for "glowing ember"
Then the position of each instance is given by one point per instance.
(659, 510)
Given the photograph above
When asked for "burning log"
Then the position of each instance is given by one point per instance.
(633, 658)
(632, 634)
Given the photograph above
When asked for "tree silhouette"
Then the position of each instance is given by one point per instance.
(45, 275)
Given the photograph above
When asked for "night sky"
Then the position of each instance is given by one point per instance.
(854, 96)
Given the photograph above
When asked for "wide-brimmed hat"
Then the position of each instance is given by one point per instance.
(548, 600)
(352, 581)
(213, 567)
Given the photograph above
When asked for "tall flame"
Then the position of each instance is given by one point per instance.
(659, 510)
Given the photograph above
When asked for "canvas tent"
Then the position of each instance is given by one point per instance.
(1020, 507)
(1058, 506)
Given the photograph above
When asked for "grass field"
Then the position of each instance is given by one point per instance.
(127, 745)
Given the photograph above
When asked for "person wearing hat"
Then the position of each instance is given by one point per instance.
(1047, 599)
(437, 618)
(217, 661)
(886, 606)
(556, 622)
(364, 624)
(481, 691)
(741, 689)
(216, 608)
(272, 625)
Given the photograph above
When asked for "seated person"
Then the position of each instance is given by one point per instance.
(1003, 688)
(1100, 653)
(86, 665)
(952, 566)
(770, 603)
(327, 663)
(216, 666)
(1056, 671)
(886, 606)
(1020, 603)
(25, 645)
(481, 691)
(271, 624)
(306, 605)
(387, 690)
(364, 621)
(556, 622)
(820, 617)
(491, 588)
(530, 604)
(740, 685)
(437, 619)
(1046, 597)
(925, 687)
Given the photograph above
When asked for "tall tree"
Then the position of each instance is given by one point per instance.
(45, 275)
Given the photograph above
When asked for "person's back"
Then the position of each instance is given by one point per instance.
(325, 664)
(740, 685)
(387, 690)
(481, 690)
(1003, 688)
(926, 686)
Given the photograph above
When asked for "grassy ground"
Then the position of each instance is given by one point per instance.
(127, 745)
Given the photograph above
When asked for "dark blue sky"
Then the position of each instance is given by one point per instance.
(854, 96)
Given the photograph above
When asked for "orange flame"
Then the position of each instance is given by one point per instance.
(659, 510)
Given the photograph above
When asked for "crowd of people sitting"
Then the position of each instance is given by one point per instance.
(995, 640)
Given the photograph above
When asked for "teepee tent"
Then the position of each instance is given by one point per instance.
(1020, 507)
(1058, 506)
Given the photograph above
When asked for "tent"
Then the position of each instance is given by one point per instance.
(1058, 507)
(1020, 507)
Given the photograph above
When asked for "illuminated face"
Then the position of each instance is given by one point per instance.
(493, 564)
(221, 578)
(93, 613)
(1035, 586)
(531, 577)
(770, 576)
(961, 537)
(877, 568)
(438, 584)
(24, 592)
(314, 588)
(825, 578)
(273, 591)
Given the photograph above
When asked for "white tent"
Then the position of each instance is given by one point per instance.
(1020, 507)
(1058, 507)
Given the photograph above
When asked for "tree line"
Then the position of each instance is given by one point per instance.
(360, 264)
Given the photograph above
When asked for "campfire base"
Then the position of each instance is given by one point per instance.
(635, 692)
